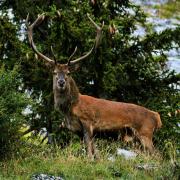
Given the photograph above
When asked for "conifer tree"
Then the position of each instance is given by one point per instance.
(124, 68)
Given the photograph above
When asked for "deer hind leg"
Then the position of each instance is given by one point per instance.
(146, 141)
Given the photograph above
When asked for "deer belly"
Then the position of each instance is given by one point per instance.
(111, 123)
(107, 118)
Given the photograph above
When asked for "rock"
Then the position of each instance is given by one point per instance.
(127, 154)
(45, 177)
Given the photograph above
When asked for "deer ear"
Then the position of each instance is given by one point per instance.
(50, 65)
(74, 67)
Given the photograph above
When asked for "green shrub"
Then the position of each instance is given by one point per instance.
(12, 104)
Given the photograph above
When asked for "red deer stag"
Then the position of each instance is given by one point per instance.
(88, 114)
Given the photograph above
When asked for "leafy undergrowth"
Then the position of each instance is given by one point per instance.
(72, 163)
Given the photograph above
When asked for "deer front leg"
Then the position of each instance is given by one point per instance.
(88, 139)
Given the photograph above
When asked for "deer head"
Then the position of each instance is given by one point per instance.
(60, 71)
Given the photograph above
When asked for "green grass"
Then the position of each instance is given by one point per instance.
(72, 163)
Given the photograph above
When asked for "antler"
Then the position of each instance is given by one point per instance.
(30, 37)
(55, 60)
(99, 31)
(97, 41)
(69, 60)
(39, 20)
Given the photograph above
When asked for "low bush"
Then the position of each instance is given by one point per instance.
(12, 104)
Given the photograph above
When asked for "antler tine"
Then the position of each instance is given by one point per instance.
(27, 19)
(97, 27)
(72, 55)
(99, 31)
(97, 40)
(53, 55)
(81, 58)
(30, 36)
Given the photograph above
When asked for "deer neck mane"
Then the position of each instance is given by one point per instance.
(64, 101)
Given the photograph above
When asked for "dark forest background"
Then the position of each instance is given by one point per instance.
(124, 68)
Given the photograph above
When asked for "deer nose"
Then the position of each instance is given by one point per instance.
(61, 82)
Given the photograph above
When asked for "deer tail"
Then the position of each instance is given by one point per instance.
(158, 121)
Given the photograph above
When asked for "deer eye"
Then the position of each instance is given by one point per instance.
(68, 73)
